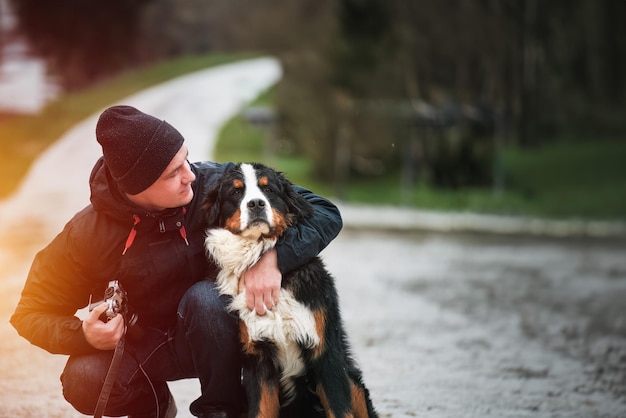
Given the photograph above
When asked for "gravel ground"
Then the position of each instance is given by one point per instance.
(443, 324)
(475, 326)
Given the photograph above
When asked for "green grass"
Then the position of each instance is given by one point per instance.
(23, 138)
(583, 179)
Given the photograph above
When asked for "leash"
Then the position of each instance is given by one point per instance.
(110, 377)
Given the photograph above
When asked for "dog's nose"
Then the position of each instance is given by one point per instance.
(256, 204)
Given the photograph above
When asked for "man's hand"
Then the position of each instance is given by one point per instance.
(103, 335)
(262, 283)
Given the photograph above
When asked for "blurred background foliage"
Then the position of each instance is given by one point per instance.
(488, 104)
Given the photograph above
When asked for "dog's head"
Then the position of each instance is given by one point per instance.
(254, 201)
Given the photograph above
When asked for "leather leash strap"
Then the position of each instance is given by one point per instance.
(110, 377)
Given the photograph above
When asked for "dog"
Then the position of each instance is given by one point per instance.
(297, 360)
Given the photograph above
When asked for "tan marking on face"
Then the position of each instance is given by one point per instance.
(233, 224)
(279, 224)
(264, 181)
(238, 184)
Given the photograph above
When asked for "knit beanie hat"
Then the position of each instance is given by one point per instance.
(137, 147)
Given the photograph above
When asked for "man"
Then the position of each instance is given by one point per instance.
(144, 227)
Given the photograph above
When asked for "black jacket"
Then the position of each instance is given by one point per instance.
(165, 256)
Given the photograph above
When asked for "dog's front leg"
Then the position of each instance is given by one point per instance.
(333, 385)
(261, 380)
(261, 376)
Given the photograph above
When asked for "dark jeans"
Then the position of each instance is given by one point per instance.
(204, 345)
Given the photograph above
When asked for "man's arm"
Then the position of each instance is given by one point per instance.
(296, 247)
(301, 244)
(45, 312)
(262, 282)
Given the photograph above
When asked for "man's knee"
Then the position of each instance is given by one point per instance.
(203, 297)
(83, 377)
(204, 314)
(82, 380)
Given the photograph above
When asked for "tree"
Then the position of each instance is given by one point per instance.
(530, 70)
(373, 85)
(81, 40)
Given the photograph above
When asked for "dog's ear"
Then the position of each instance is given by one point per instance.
(211, 205)
(299, 207)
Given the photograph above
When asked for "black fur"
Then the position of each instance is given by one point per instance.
(332, 382)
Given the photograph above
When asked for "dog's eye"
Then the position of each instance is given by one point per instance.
(236, 192)
(268, 189)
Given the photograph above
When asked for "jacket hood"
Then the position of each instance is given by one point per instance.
(106, 197)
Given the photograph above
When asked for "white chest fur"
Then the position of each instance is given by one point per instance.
(289, 324)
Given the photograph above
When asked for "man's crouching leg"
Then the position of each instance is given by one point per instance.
(131, 394)
(208, 338)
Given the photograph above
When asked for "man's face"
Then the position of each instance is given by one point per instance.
(172, 189)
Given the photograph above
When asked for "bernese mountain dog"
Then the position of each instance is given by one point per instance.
(297, 360)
